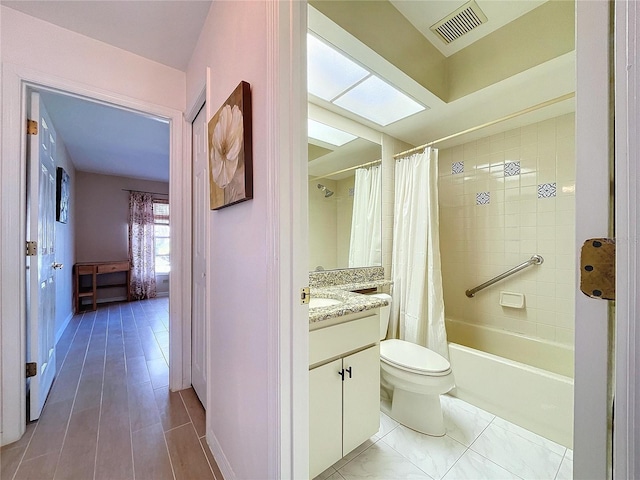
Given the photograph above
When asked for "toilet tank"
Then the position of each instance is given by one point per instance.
(385, 312)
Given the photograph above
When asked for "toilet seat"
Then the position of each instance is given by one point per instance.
(413, 358)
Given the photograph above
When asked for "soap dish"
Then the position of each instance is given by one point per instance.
(512, 300)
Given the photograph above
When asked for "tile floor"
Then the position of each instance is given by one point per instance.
(110, 414)
(478, 445)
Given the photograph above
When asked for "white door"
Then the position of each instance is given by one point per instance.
(200, 239)
(41, 201)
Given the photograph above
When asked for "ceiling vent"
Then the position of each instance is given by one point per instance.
(459, 22)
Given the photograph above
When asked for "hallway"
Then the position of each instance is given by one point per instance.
(110, 414)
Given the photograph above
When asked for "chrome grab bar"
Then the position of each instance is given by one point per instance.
(534, 260)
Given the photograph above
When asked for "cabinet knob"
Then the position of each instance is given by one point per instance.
(348, 370)
(341, 373)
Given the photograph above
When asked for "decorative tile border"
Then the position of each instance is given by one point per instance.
(345, 276)
(511, 169)
(483, 198)
(457, 167)
(546, 190)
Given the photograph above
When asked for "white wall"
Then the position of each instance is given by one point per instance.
(65, 246)
(234, 44)
(32, 48)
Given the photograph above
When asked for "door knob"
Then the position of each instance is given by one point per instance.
(57, 266)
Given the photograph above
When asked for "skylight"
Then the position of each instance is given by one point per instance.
(328, 134)
(378, 101)
(334, 77)
(329, 72)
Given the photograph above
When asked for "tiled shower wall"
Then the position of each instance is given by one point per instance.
(504, 198)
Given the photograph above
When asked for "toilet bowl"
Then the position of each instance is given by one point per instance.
(413, 377)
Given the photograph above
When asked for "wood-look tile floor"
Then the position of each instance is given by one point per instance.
(110, 414)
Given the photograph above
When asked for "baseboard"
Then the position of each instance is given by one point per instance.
(64, 326)
(220, 457)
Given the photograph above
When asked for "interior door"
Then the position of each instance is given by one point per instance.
(41, 187)
(199, 260)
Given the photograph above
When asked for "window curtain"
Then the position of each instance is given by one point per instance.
(417, 313)
(365, 249)
(141, 246)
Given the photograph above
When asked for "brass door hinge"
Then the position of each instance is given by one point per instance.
(32, 127)
(32, 369)
(305, 296)
(598, 268)
(32, 249)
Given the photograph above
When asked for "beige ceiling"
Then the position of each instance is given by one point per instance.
(526, 61)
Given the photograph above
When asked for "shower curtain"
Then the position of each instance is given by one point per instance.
(417, 313)
(365, 248)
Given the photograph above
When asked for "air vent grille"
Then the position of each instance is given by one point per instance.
(459, 22)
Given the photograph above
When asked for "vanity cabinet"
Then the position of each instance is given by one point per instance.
(344, 389)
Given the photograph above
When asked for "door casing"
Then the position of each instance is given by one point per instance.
(16, 80)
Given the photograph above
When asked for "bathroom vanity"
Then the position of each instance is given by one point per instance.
(344, 366)
(344, 388)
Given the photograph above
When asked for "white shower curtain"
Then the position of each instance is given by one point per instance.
(417, 313)
(365, 248)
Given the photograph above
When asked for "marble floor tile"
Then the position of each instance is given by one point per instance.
(381, 462)
(326, 474)
(472, 466)
(532, 437)
(517, 454)
(462, 423)
(433, 455)
(336, 476)
(386, 425)
(353, 454)
(565, 472)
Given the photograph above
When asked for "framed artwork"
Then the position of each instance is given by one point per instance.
(62, 195)
(230, 162)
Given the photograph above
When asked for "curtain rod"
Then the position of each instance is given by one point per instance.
(489, 124)
(140, 191)
(346, 170)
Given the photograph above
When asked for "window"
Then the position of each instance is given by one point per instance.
(161, 236)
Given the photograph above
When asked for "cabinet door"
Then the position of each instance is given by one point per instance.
(325, 417)
(361, 397)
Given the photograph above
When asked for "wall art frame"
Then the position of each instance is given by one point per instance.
(230, 150)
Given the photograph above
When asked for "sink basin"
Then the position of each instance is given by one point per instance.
(323, 302)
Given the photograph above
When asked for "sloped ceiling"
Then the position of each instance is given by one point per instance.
(108, 140)
(165, 31)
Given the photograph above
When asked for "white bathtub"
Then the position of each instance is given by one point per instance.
(526, 381)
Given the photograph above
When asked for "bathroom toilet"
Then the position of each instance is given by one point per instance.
(414, 377)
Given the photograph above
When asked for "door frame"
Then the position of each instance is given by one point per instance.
(15, 80)
(626, 428)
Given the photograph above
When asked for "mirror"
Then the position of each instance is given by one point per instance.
(344, 221)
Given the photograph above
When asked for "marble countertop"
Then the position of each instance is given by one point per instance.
(352, 302)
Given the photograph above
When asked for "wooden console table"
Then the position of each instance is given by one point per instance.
(94, 269)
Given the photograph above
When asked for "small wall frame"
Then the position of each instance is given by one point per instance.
(62, 195)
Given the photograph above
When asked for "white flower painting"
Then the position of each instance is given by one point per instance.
(230, 150)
